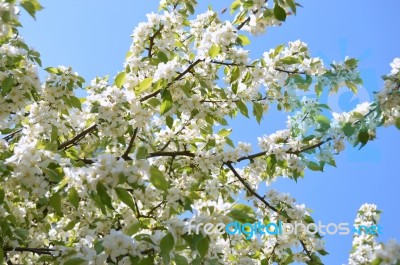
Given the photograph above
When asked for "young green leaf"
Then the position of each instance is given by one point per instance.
(120, 79)
(157, 179)
(73, 197)
(166, 104)
(125, 197)
(214, 51)
(104, 197)
(144, 85)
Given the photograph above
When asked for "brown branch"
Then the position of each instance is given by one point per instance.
(289, 71)
(125, 156)
(248, 19)
(152, 41)
(77, 138)
(155, 93)
(305, 249)
(249, 157)
(11, 135)
(250, 189)
(243, 23)
(171, 154)
(232, 64)
(39, 251)
(310, 147)
(262, 199)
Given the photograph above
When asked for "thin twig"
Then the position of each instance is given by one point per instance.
(125, 156)
(77, 138)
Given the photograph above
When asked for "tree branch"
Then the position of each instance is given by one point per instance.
(11, 135)
(39, 251)
(262, 199)
(171, 154)
(152, 41)
(155, 93)
(77, 138)
(250, 189)
(290, 72)
(125, 156)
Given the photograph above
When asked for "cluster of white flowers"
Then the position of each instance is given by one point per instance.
(260, 17)
(364, 244)
(27, 163)
(389, 253)
(19, 81)
(8, 14)
(389, 96)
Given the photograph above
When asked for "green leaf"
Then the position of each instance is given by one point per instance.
(52, 175)
(133, 229)
(243, 108)
(290, 60)
(181, 260)
(55, 202)
(169, 121)
(157, 179)
(21, 233)
(146, 261)
(125, 197)
(397, 123)
(31, 6)
(98, 246)
(97, 201)
(2, 196)
(162, 57)
(351, 63)
(166, 246)
(51, 70)
(202, 246)
(279, 12)
(242, 213)
(2, 255)
(214, 51)
(352, 86)
(243, 40)
(54, 133)
(76, 102)
(323, 121)
(348, 129)
(314, 166)
(224, 132)
(75, 261)
(120, 79)
(141, 153)
(235, 74)
(292, 5)
(377, 261)
(166, 104)
(167, 243)
(235, 5)
(73, 197)
(104, 197)
(318, 89)
(6, 85)
(144, 85)
(363, 137)
(323, 252)
(258, 111)
(190, 8)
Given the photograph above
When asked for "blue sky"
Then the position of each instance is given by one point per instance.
(93, 36)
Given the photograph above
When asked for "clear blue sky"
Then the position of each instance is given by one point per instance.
(93, 36)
